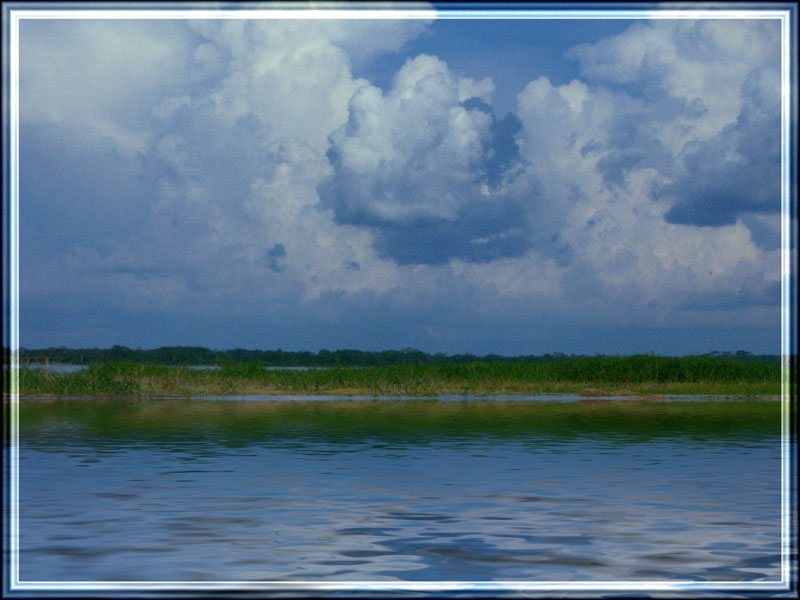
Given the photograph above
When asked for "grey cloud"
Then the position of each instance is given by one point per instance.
(616, 165)
(174, 223)
(277, 251)
(201, 211)
(713, 181)
(274, 255)
(751, 293)
(738, 170)
(432, 196)
(138, 272)
(483, 232)
(198, 150)
(765, 235)
(703, 38)
(591, 146)
(501, 149)
(75, 191)
(85, 72)
(632, 144)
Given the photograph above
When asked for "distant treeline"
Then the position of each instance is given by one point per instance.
(195, 355)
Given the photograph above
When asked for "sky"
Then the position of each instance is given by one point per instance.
(513, 186)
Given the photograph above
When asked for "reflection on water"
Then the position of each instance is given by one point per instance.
(421, 491)
(538, 398)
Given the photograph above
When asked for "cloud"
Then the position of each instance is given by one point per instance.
(738, 170)
(101, 76)
(754, 292)
(259, 192)
(274, 254)
(425, 167)
(501, 148)
(211, 182)
(606, 148)
(711, 124)
(363, 40)
(289, 73)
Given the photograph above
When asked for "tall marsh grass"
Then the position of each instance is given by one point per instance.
(643, 374)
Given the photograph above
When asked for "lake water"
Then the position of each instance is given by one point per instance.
(57, 367)
(419, 491)
(64, 368)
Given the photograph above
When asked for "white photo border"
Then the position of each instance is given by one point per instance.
(15, 13)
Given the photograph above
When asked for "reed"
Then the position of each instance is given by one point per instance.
(621, 375)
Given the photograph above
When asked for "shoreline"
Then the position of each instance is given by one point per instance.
(188, 391)
(543, 398)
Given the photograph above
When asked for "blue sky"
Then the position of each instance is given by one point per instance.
(514, 186)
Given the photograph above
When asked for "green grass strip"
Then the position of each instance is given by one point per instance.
(625, 375)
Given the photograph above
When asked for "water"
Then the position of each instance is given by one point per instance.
(57, 367)
(64, 368)
(217, 367)
(418, 491)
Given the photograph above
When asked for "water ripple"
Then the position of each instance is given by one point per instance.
(384, 504)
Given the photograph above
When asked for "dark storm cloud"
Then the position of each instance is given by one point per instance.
(483, 232)
(738, 170)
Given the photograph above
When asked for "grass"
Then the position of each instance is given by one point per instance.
(625, 375)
